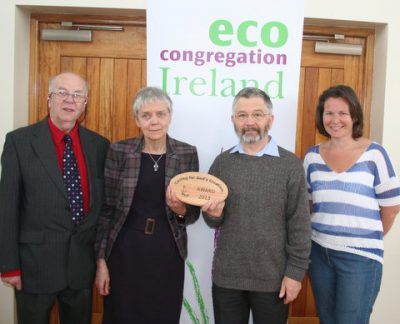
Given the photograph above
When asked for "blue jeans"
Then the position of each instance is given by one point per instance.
(345, 285)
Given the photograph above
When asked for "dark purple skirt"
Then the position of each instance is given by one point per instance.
(146, 279)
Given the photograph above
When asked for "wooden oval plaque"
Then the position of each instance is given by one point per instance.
(197, 188)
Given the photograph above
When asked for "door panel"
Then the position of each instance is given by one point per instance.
(113, 63)
(319, 71)
(115, 66)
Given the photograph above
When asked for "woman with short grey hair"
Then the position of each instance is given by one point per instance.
(141, 241)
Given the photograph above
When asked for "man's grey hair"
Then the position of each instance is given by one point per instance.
(149, 95)
(252, 92)
(53, 80)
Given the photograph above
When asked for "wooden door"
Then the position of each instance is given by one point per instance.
(318, 72)
(115, 66)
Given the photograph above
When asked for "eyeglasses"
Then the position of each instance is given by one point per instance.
(76, 97)
(257, 116)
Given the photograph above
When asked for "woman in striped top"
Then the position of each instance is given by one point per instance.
(355, 197)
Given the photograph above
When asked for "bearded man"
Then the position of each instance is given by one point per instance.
(263, 227)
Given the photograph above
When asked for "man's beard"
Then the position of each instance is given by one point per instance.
(251, 139)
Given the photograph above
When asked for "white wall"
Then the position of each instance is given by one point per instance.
(14, 59)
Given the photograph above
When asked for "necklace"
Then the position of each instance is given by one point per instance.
(155, 166)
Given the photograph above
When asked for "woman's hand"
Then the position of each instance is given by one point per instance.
(102, 280)
(174, 203)
(388, 215)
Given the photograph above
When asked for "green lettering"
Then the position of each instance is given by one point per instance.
(242, 33)
(276, 91)
(178, 84)
(213, 82)
(164, 78)
(212, 86)
(197, 82)
(229, 90)
(218, 28)
(282, 33)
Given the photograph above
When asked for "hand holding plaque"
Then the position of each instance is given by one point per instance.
(197, 188)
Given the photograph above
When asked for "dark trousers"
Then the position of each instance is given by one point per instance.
(232, 306)
(75, 306)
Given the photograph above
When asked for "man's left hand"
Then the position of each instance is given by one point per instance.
(290, 288)
(14, 281)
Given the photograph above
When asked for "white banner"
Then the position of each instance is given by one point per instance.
(202, 53)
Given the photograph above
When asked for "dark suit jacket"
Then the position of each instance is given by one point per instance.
(121, 177)
(36, 230)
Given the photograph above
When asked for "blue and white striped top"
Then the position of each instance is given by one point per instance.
(346, 205)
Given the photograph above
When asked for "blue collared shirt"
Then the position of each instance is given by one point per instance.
(270, 149)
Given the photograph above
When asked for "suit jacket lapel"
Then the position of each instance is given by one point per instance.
(44, 147)
(89, 152)
(171, 162)
(130, 172)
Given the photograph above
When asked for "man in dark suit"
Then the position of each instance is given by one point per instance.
(46, 234)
